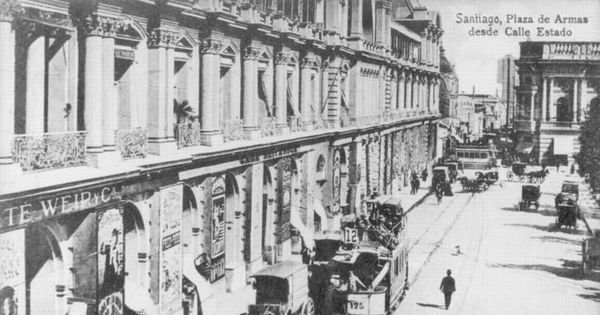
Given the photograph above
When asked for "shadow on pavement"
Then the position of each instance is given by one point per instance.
(557, 239)
(432, 305)
(551, 228)
(571, 269)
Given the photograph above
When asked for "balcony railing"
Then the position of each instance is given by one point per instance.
(295, 123)
(369, 120)
(49, 150)
(233, 129)
(319, 123)
(268, 126)
(188, 134)
(345, 119)
(132, 143)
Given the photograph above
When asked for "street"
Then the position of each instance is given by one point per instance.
(504, 261)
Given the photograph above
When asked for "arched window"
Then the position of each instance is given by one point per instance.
(563, 110)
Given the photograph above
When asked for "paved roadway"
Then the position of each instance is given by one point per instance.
(510, 262)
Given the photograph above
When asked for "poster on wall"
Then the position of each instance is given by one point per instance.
(171, 205)
(12, 272)
(335, 207)
(285, 201)
(218, 226)
(111, 265)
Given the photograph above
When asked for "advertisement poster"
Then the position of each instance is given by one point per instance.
(171, 203)
(218, 226)
(12, 272)
(111, 265)
(285, 201)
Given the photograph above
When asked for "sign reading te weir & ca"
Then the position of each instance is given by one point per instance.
(31, 210)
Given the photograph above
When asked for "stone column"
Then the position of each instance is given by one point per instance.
(544, 99)
(93, 90)
(211, 97)
(8, 169)
(551, 101)
(109, 108)
(430, 93)
(575, 98)
(250, 101)
(381, 6)
(408, 102)
(160, 92)
(281, 63)
(401, 88)
(584, 100)
(356, 22)
(306, 108)
(36, 68)
(415, 92)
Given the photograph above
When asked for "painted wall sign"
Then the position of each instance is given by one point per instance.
(217, 268)
(12, 272)
(337, 182)
(256, 158)
(171, 205)
(218, 226)
(28, 211)
(285, 201)
(111, 264)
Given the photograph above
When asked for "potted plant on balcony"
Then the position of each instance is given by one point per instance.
(183, 111)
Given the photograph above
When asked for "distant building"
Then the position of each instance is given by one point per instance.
(449, 85)
(470, 111)
(559, 82)
(509, 79)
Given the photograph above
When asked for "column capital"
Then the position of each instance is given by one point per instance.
(308, 62)
(162, 37)
(212, 45)
(98, 25)
(9, 9)
(283, 58)
(252, 52)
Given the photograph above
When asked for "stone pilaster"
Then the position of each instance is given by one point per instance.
(9, 171)
(281, 63)
(109, 107)
(583, 104)
(576, 88)
(306, 106)
(211, 87)
(408, 91)
(544, 99)
(160, 92)
(36, 61)
(250, 109)
(401, 89)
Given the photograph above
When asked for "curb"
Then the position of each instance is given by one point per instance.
(418, 203)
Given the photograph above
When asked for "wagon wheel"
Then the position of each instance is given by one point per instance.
(309, 307)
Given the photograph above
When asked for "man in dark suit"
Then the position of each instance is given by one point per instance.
(448, 287)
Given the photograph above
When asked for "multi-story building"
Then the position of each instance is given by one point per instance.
(471, 113)
(508, 79)
(449, 87)
(559, 82)
(156, 152)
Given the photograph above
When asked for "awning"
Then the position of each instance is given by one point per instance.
(307, 235)
(318, 208)
(562, 145)
(524, 147)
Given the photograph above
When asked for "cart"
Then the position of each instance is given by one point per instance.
(567, 211)
(530, 196)
(590, 254)
(282, 289)
(517, 171)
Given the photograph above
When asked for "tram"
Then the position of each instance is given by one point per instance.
(369, 272)
(476, 156)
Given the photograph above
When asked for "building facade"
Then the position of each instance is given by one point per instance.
(154, 154)
(559, 82)
(508, 78)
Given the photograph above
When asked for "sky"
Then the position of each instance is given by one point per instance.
(475, 57)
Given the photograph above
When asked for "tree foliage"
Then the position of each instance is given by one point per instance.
(589, 155)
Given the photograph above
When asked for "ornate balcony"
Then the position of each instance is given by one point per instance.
(345, 119)
(132, 143)
(319, 123)
(268, 126)
(369, 120)
(295, 123)
(188, 134)
(233, 129)
(49, 150)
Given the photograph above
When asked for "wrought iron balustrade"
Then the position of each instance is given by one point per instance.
(345, 119)
(49, 150)
(369, 120)
(132, 143)
(233, 129)
(319, 123)
(188, 134)
(295, 123)
(268, 126)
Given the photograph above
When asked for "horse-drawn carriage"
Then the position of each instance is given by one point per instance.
(530, 196)
(476, 184)
(567, 210)
(519, 171)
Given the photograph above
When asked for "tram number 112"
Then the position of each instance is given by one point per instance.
(350, 235)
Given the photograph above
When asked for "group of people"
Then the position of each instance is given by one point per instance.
(415, 182)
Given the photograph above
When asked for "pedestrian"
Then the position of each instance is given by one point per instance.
(424, 174)
(557, 165)
(572, 168)
(448, 286)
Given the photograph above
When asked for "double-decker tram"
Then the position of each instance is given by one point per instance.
(369, 272)
(476, 156)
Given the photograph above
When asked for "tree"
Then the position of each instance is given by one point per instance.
(183, 111)
(588, 158)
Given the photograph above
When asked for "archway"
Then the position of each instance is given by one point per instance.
(563, 110)
(44, 265)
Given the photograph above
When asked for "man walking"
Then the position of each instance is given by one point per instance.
(448, 287)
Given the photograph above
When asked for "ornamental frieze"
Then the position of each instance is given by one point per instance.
(282, 58)
(308, 62)
(212, 46)
(9, 9)
(163, 37)
(252, 53)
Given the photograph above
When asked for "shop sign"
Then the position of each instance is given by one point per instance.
(111, 264)
(12, 272)
(218, 226)
(257, 158)
(337, 182)
(29, 211)
(217, 268)
(170, 279)
(285, 201)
